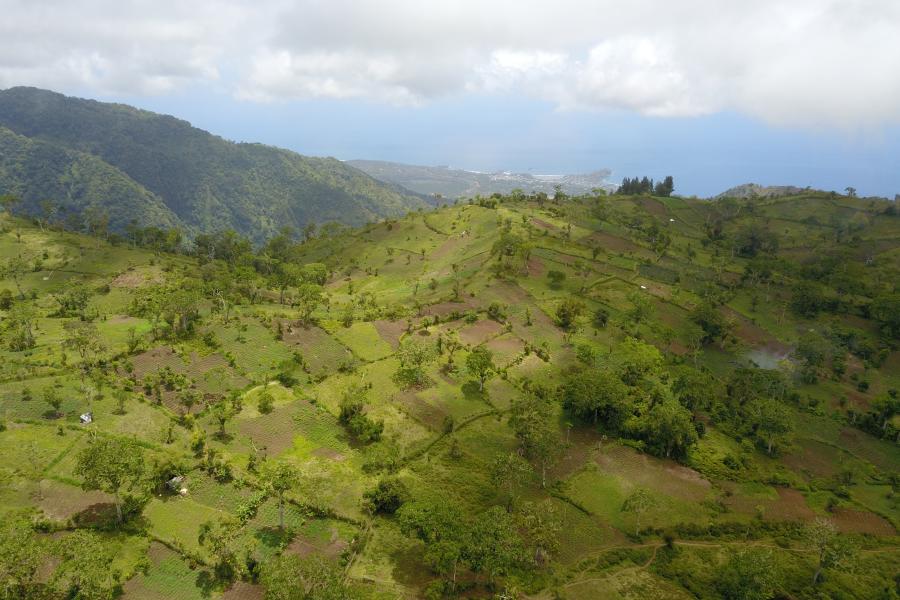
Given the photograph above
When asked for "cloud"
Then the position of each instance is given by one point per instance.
(817, 63)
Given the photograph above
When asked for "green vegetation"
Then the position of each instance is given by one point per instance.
(110, 167)
(622, 396)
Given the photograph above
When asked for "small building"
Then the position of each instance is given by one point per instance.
(87, 418)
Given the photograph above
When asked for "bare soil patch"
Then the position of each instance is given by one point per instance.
(480, 332)
(420, 410)
(814, 458)
(241, 590)
(61, 501)
(614, 243)
(390, 331)
(790, 506)
(303, 546)
(136, 278)
(859, 521)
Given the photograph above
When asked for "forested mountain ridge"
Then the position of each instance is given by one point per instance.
(659, 396)
(208, 183)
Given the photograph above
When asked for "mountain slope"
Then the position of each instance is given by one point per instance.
(36, 171)
(208, 182)
(457, 183)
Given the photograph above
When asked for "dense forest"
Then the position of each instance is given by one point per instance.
(600, 396)
(160, 171)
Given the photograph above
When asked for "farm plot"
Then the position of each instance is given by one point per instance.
(169, 577)
(364, 340)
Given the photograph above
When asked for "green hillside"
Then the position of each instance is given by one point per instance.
(603, 397)
(208, 183)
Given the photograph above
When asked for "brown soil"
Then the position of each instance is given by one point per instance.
(305, 547)
(535, 267)
(790, 506)
(442, 309)
(62, 501)
(858, 521)
(426, 414)
(479, 332)
(541, 224)
(814, 458)
(654, 207)
(138, 278)
(241, 590)
(614, 243)
(390, 331)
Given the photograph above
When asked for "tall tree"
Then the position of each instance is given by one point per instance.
(112, 465)
(638, 503)
(480, 363)
(832, 550)
(279, 477)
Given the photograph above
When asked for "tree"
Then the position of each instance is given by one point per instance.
(635, 360)
(665, 187)
(73, 300)
(851, 191)
(509, 471)
(885, 406)
(18, 327)
(531, 420)
(541, 525)
(807, 299)
(353, 416)
(638, 503)
(15, 268)
(771, 421)
(754, 239)
(598, 395)
(442, 528)
(22, 553)
(480, 363)
(749, 574)
(667, 429)
(278, 477)
(52, 397)
(309, 297)
(48, 209)
(387, 496)
(316, 273)
(495, 547)
(567, 313)
(85, 569)
(833, 551)
(557, 278)
(222, 412)
(84, 338)
(112, 465)
(885, 309)
(291, 577)
(219, 539)
(413, 356)
(600, 319)
(714, 325)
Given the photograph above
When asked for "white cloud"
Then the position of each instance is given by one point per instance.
(833, 63)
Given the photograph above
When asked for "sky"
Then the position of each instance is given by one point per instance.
(713, 92)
